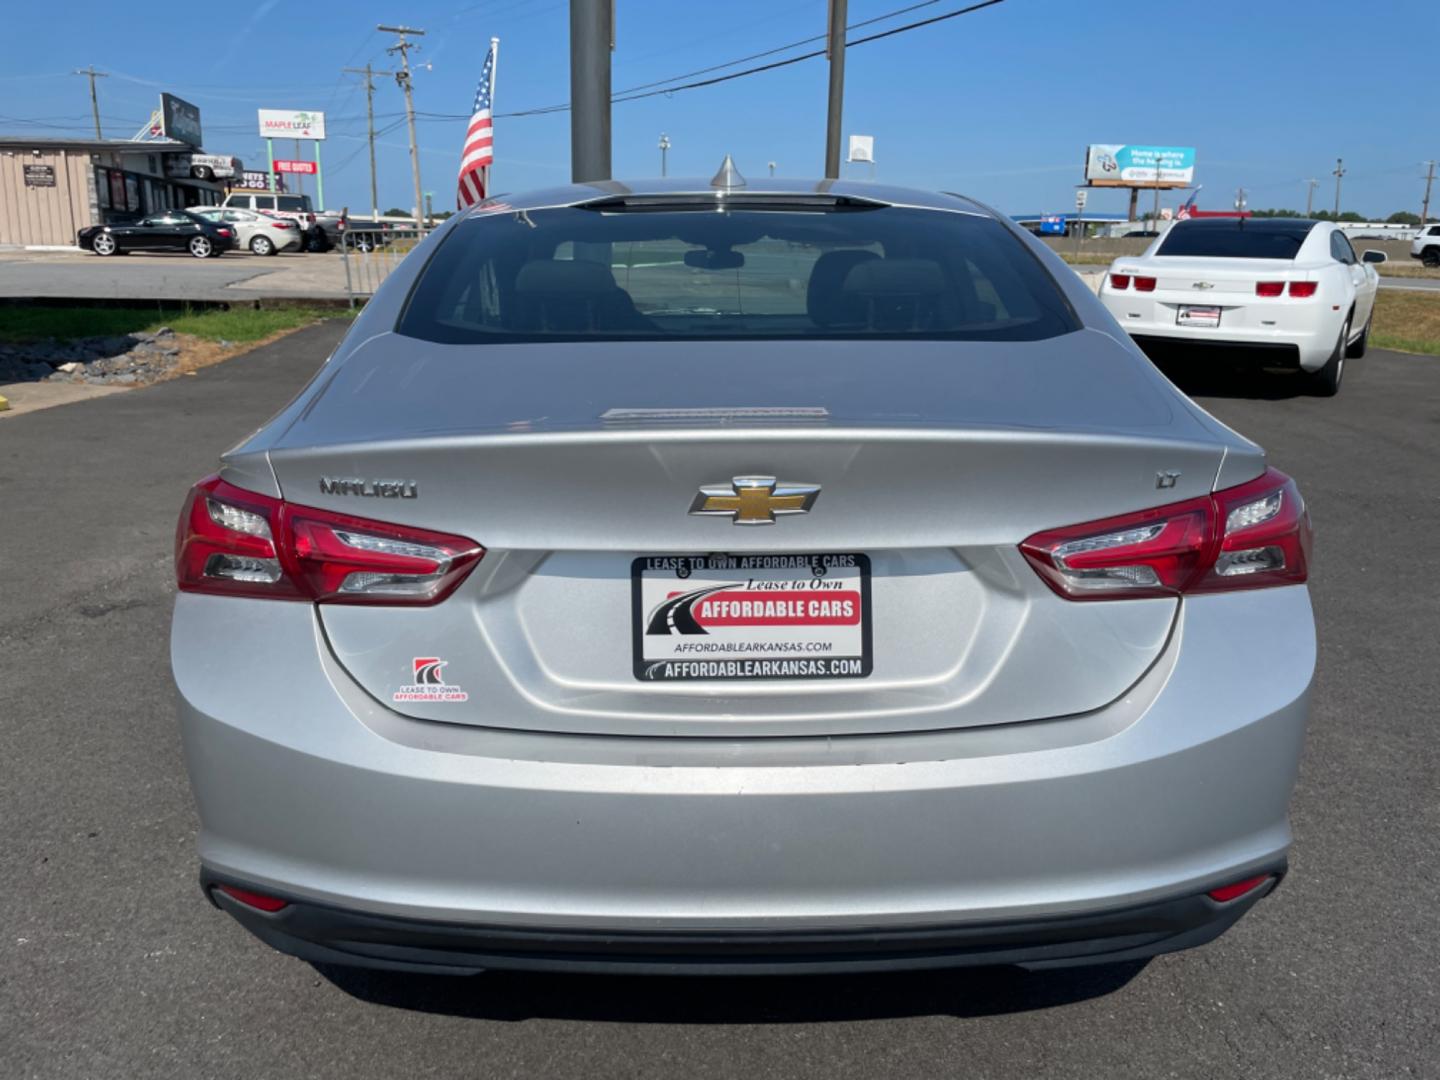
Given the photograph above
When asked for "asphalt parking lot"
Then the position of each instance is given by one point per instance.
(112, 965)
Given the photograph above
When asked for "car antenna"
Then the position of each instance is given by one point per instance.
(728, 176)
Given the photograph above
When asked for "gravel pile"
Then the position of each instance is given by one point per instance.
(123, 360)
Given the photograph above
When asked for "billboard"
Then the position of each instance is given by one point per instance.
(291, 124)
(179, 120)
(308, 168)
(1119, 165)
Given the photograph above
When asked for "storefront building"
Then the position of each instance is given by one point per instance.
(50, 188)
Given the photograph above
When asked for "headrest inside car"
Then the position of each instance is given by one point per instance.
(564, 276)
(895, 277)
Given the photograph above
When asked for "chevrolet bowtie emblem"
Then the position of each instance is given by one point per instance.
(1201, 285)
(754, 500)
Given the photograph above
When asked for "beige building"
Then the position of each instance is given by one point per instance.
(51, 188)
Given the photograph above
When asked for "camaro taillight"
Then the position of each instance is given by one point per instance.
(1246, 537)
(1269, 288)
(241, 543)
(1144, 284)
(1119, 282)
(1302, 289)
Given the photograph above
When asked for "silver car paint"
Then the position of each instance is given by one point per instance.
(1174, 776)
(305, 783)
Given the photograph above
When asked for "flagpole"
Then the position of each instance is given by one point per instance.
(494, 72)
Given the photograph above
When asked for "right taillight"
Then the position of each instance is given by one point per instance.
(1302, 289)
(240, 543)
(1246, 537)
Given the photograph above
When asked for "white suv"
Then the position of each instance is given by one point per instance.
(1426, 245)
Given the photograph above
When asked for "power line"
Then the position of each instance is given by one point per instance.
(623, 95)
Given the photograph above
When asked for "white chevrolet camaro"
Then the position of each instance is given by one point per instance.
(1290, 290)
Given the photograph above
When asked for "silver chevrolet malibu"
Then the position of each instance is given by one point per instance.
(702, 577)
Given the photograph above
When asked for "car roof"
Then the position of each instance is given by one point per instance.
(593, 191)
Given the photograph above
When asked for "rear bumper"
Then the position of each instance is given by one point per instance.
(1296, 334)
(330, 935)
(310, 790)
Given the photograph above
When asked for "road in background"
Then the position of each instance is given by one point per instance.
(112, 964)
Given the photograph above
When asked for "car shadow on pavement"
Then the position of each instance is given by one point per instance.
(513, 996)
(1199, 375)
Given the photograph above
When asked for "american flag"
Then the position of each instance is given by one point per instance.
(479, 151)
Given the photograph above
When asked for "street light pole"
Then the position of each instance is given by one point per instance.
(403, 47)
(1312, 184)
(664, 150)
(835, 50)
(1339, 172)
(592, 31)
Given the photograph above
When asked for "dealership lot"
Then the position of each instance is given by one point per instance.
(112, 964)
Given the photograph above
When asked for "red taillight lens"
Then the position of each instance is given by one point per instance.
(1238, 889)
(1119, 282)
(240, 543)
(223, 232)
(1245, 537)
(1302, 289)
(259, 901)
(1144, 284)
(1269, 288)
(1264, 536)
(279, 225)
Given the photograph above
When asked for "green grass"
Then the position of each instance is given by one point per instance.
(20, 324)
(1406, 321)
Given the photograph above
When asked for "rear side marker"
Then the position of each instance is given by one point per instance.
(258, 901)
(1234, 891)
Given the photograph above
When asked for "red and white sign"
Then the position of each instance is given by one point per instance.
(306, 167)
(793, 616)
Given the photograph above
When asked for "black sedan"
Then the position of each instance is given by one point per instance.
(169, 230)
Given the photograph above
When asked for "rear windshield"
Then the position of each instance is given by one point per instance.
(1234, 241)
(626, 274)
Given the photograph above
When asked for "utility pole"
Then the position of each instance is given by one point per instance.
(1312, 184)
(664, 151)
(1240, 203)
(835, 50)
(370, 74)
(92, 74)
(772, 168)
(592, 38)
(403, 47)
(1338, 174)
(1429, 179)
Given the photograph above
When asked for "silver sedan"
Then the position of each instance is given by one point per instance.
(257, 233)
(699, 577)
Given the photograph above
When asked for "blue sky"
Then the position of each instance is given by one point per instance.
(998, 104)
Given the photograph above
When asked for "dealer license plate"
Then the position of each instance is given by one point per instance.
(700, 617)
(1198, 316)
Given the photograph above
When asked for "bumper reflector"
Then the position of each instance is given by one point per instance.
(256, 900)
(1238, 889)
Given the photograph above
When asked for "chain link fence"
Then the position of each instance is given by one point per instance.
(372, 254)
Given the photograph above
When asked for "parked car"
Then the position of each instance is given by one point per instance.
(849, 593)
(1135, 234)
(1292, 289)
(169, 230)
(296, 208)
(365, 234)
(257, 233)
(1426, 245)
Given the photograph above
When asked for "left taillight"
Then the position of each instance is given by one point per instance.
(1246, 537)
(235, 542)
